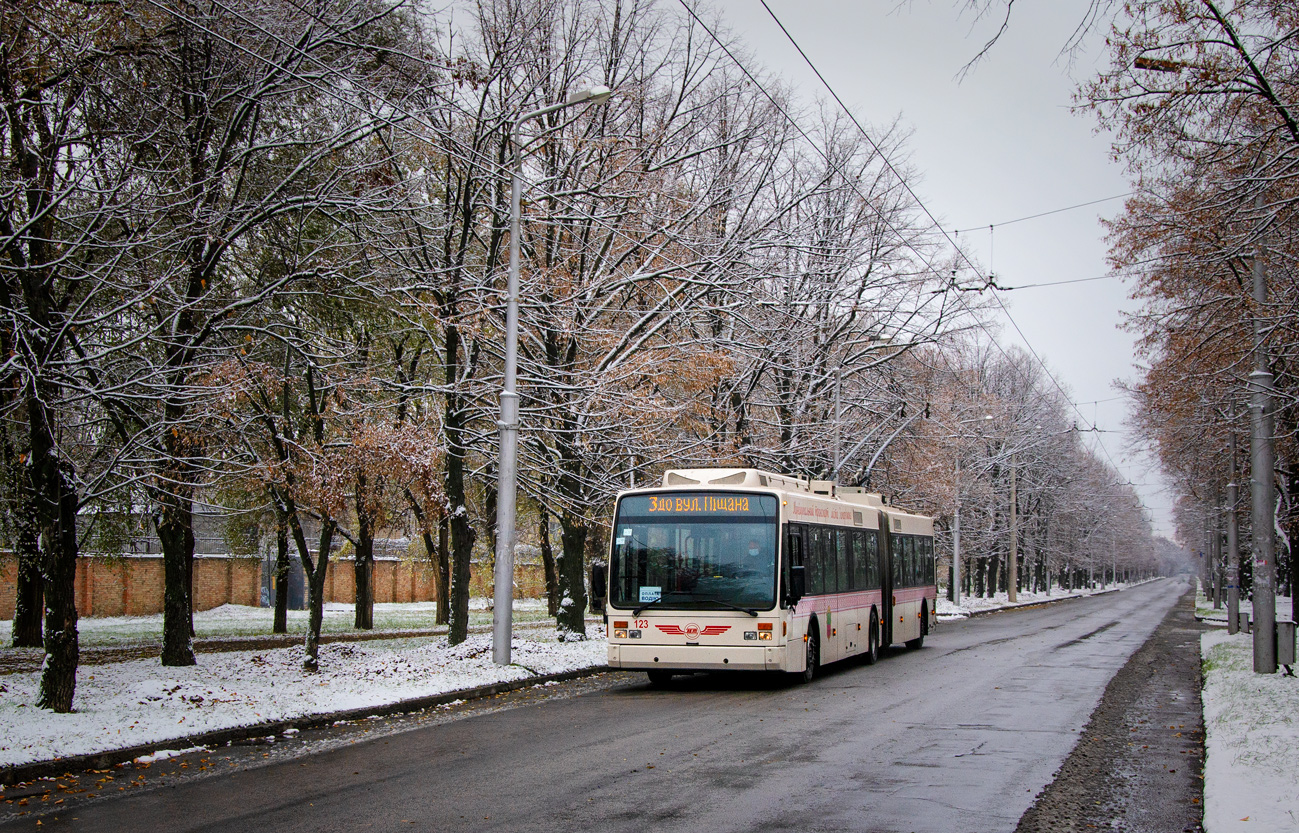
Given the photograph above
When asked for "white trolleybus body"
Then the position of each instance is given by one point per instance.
(739, 569)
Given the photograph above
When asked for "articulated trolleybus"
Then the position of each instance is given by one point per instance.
(739, 569)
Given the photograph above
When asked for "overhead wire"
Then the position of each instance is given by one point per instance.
(920, 203)
(1044, 213)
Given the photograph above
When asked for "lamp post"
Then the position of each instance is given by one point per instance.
(507, 467)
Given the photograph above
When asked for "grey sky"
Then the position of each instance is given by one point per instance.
(995, 146)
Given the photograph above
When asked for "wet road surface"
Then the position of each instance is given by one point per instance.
(961, 735)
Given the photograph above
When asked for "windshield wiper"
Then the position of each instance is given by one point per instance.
(749, 610)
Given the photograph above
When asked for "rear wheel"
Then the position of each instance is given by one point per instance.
(813, 654)
(659, 678)
(873, 642)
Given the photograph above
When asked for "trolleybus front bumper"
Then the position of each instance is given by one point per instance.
(696, 657)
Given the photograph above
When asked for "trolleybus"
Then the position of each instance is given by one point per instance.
(740, 569)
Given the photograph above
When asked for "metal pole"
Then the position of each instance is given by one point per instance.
(507, 466)
(1012, 566)
(838, 419)
(507, 469)
(956, 539)
(1233, 547)
(1261, 467)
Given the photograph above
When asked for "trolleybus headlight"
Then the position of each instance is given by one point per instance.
(634, 634)
(764, 634)
(750, 634)
(621, 633)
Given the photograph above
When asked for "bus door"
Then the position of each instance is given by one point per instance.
(795, 545)
(886, 581)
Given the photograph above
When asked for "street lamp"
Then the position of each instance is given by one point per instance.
(507, 467)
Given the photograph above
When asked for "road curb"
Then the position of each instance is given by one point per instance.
(104, 760)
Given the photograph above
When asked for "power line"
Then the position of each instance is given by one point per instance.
(920, 203)
(1046, 213)
(1056, 283)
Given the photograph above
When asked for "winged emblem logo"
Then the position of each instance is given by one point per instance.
(693, 631)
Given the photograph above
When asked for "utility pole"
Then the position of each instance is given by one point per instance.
(1261, 467)
(1233, 547)
(838, 420)
(956, 538)
(1012, 565)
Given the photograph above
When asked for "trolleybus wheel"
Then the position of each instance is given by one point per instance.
(813, 653)
(924, 629)
(659, 678)
(873, 642)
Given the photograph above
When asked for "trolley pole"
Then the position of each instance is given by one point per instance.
(1261, 467)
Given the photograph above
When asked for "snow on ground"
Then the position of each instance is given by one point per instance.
(126, 704)
(238, 620)
(1251, 771)
(978, 604)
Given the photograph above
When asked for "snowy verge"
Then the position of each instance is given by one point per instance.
(137, 703)
(974, 605)
(1251, 725)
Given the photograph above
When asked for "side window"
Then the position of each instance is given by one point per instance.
(899, 559)
(873, 560)
(860, 567)
(829, 560)
(929, 561)
(842, 560)
(814, 561)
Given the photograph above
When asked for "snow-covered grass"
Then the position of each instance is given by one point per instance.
(1251, 721)
(979, 604)
(1204, 608)
(126, 704)
(238, 621)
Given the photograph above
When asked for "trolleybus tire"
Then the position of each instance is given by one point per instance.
(659, 678)
(873, 642)
(813, 653)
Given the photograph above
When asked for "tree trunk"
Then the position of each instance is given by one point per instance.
(281, 623)
(363, 566)
(29, 595)
(59, 672)
(462, 532)
(993, 575)
(548, 561)
(316, 593)
(443, 571)
(172, 524)
(571, 618)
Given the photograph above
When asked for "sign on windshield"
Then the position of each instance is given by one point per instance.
(695, 550)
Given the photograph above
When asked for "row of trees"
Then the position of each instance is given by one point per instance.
(1204, 100)
(1038, 507)
(252, 255)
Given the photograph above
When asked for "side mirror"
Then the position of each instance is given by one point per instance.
(797, 584)
(599, 587)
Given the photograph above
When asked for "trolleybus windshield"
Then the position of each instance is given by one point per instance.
(694, 550)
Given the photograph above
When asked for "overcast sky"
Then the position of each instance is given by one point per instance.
(1000, 144)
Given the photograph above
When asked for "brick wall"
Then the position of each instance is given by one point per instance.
(399, 580)
(132, 586)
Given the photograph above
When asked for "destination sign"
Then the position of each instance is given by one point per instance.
(699, 504)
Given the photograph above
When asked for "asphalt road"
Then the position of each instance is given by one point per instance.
(958, 736)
